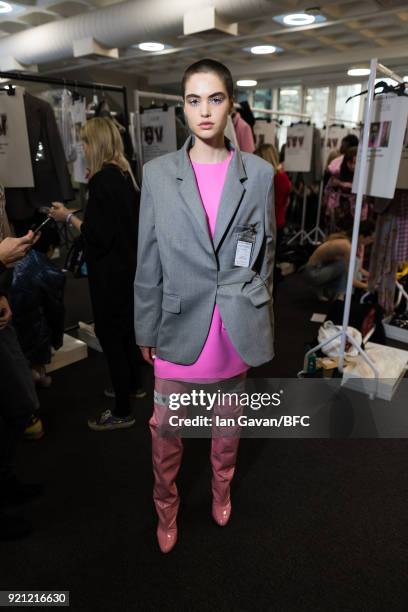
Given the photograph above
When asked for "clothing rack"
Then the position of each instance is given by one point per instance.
(361, 177)
(268, 111)
(31, 78)
(317, 230)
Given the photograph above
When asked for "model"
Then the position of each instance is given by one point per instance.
(203, 286)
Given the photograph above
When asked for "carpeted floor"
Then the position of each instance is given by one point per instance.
(316, 524)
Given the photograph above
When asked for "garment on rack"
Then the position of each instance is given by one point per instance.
(401, 211)
(62, 102)
(51, 177)
(384, 263)
(243, 133)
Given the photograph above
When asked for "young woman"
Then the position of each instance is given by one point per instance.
(109, 230)
(327, 269)
(282, 185)
(339, 200)
(203, 284)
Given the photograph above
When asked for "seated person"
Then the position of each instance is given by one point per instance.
(327, 269)
(37, 301)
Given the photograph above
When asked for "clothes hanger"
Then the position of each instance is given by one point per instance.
(398, 89)
(9, 89)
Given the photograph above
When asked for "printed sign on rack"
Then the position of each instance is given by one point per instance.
(298, 151)
(158, 132)
(334, 138)
(15, 160)
(385, 143)
(266, 132)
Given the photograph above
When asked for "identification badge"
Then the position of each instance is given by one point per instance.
(243, 253)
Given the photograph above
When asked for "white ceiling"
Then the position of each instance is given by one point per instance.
(354, 32)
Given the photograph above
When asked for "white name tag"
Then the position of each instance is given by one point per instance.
(243, 253)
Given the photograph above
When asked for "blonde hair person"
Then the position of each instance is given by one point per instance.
(109, 232)
(282, 186)
(269, 153)
(103, 144)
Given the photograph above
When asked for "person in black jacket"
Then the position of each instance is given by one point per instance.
(110, 229)
(37, 301)
(18, 399)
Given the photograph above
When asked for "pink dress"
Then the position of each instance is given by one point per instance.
(218, 358)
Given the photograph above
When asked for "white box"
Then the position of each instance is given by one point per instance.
(386, 386)
(71, 351)
(394, 332)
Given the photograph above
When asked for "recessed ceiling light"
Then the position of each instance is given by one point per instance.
(263, 49)
(308, 98)
(288, 92)
(5, 7)
(299, 19)
(358, 72)
(247, 83)
(151, 46)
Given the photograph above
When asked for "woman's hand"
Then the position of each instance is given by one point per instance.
(5, 312)
(58, 212)
(149, 353)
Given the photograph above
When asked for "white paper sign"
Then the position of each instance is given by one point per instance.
(265, 132)
(298, 151)
(158, 132)
(15, 160)
(387, 130)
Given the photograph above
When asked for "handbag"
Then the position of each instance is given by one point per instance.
(75, 260)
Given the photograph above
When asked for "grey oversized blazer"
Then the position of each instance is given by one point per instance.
(181, 273)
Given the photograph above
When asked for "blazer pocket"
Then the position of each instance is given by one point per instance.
(259, 295)
(171, 303)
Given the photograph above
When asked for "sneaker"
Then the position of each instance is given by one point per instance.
(34, 429)
(107, 421)
(138, 394)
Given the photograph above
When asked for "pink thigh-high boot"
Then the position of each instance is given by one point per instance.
(224, 450)
(167, 451)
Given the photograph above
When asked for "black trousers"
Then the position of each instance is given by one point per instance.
(18, 398)
(124, 363)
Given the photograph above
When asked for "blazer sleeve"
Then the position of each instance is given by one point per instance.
(268, 253)
(148, 285)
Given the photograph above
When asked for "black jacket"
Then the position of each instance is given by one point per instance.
(37, 303)
(51, 177)
(110, 230)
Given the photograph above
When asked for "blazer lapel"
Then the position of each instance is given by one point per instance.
(189, 191)
(232, 195)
